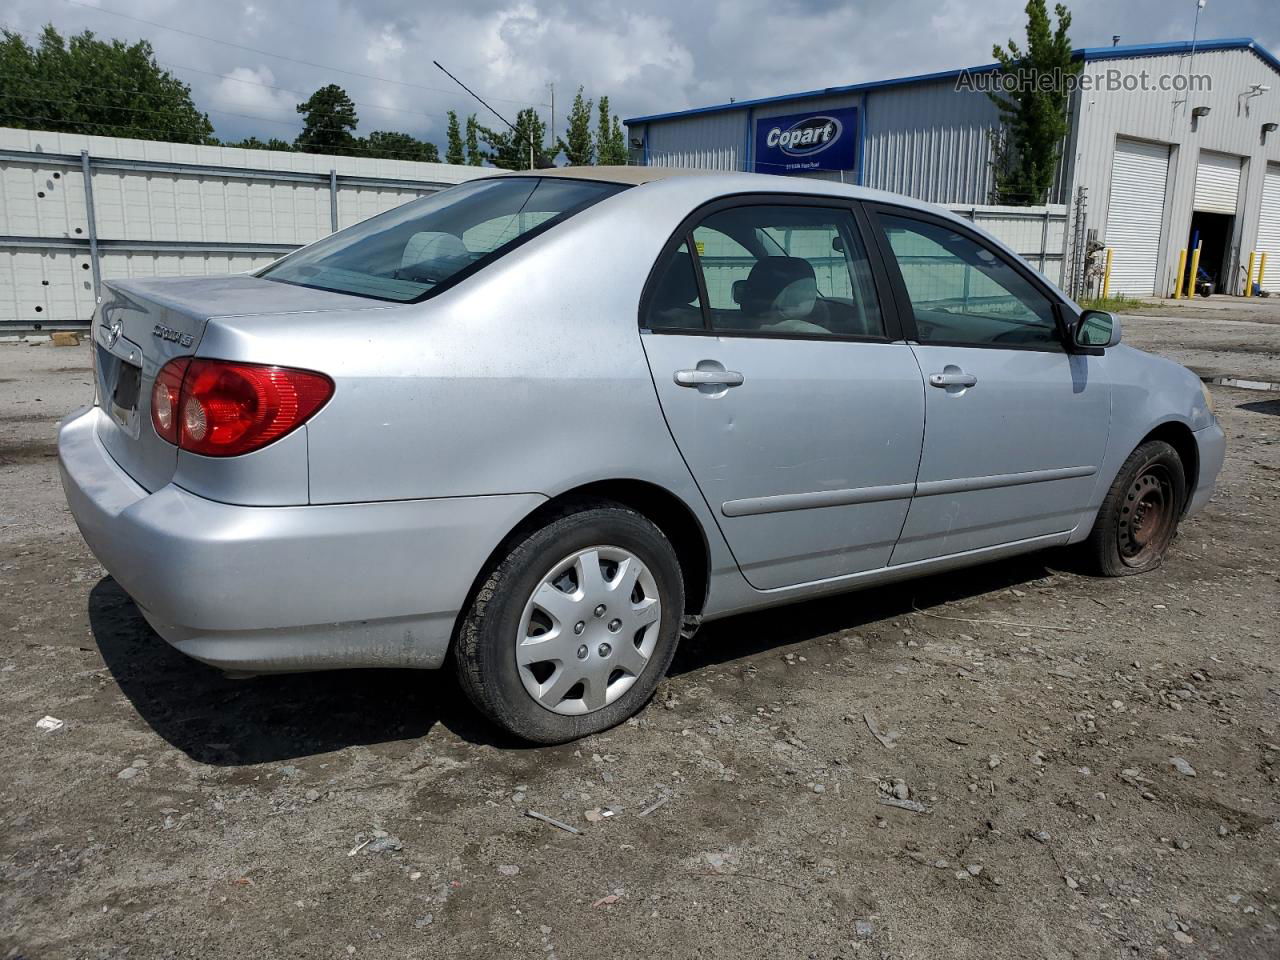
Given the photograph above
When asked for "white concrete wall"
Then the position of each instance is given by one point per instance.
(210, 204)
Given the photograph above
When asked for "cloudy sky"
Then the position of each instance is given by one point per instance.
(249, 63)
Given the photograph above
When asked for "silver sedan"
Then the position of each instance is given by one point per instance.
(549, 423)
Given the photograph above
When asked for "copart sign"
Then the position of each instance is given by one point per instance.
(822, 140)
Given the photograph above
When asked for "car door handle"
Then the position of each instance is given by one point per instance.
(952, 379)
(703, 378)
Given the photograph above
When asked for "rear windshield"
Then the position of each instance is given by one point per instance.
(407, 253)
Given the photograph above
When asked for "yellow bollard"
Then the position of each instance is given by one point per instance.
(1106, 276)
(1182, 272)
(1195, 270)
(1248, 277)
(1262, 269)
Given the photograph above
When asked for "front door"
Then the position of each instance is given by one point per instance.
(1016, 425)
(800, 419)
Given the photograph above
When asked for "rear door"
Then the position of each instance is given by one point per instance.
(1016, 425)
(778, 372)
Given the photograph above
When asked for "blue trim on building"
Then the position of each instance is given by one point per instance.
(1087, 53)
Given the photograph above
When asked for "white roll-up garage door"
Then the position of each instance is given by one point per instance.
(1269, 227)
(1135, 211)
(1217, 182)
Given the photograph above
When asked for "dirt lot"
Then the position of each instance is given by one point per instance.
(372, 814)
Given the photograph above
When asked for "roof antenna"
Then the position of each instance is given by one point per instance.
(1115, 39)
(541, 163)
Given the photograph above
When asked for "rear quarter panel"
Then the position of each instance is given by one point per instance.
(528, 377)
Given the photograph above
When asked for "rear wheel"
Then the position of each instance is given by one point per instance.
(572, 631)
(1139, 517)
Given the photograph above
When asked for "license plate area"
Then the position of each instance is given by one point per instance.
(119, 387)
(124, 398)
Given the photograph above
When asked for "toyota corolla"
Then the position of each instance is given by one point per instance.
(541, 426)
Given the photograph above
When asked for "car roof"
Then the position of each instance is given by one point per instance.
(725, 182)
(632, 175)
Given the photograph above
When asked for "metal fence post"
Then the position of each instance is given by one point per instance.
(1044, 238)
(1066, 245)
(87, 172)
(333, 200)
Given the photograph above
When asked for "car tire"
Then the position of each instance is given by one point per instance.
(1139, 517)
(507, 624)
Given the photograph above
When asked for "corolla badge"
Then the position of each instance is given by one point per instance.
(172, 335)
(806, 137)
(113, 333)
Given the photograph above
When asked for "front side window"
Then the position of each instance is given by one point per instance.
(406, 253)
(962, 292)
(785, 269)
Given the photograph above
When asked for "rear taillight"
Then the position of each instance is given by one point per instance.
(221, 409)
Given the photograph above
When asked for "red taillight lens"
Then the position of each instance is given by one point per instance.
(164, 398)
(221, 409)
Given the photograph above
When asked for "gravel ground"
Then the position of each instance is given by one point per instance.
(1096, 760)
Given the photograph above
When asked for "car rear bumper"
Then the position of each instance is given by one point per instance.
(1211, 449)
(279, 589)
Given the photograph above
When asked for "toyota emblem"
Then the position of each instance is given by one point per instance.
(113, 333)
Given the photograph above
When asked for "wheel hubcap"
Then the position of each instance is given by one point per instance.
(1147, 518)
(588, 630)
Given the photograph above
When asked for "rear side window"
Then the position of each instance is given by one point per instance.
(673, 302)
(406, 253)
(776, 269)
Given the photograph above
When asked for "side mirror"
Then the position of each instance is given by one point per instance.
(1095, 330)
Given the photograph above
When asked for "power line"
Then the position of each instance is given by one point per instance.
(279, 56)
(299, 93)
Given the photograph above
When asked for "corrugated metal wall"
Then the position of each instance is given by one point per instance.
(925, 140)
(930, 141)
(194, 210)
(712, 141)
(1153, 116)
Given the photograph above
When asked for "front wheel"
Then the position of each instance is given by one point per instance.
(572, 631)
(1139, 517)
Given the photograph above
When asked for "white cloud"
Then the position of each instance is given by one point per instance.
(648, 56)
(248, 91)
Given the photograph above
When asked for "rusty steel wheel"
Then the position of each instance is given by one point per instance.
(1147, 521)
(1139, 517)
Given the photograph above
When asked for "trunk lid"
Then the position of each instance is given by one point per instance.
(141, 325)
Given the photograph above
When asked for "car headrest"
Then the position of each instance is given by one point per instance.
(782, 287)
(432, 245)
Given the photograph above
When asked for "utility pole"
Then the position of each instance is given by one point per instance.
(552, 130)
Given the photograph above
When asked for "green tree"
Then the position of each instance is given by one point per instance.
(577, 145)
(329, 121)
(453, 149)
(90, 86)
(475, 156)
(513, 149)
(1033, 114)
(611, 142)
(253, 143)
(398, 146)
